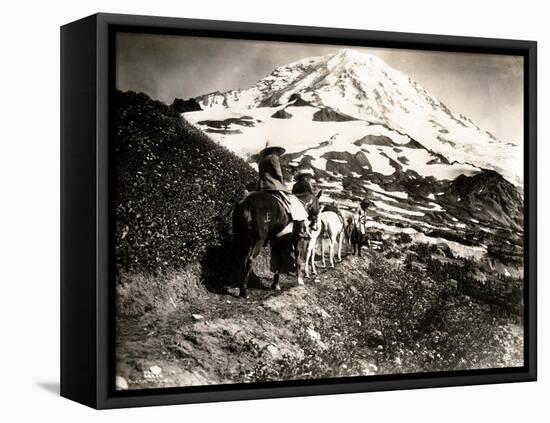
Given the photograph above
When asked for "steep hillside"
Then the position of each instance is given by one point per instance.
(175, 187)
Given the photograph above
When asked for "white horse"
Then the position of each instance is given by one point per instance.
(333, 226)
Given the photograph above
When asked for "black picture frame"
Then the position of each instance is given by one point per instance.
(87, 288)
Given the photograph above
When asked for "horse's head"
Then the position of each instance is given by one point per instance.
(313, 209)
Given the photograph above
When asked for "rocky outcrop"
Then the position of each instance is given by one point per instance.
(295, 100)
(380, 140)
(184, 106)
(331, 115)
(281, 114)
(489, 196)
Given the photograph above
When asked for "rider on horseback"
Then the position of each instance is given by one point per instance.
(303, 185)
(271, 180)
(303, 181)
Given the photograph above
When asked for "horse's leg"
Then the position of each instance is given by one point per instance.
(276, 263)
(340, 241)
(313, 250)
(299, 250)
(246, 263)
(308, 255)
(299, 266)
(275, 285)
(332, 241)
(347, 240)
(323, 264)
(251, 254)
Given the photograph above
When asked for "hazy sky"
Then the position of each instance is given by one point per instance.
(486, 88)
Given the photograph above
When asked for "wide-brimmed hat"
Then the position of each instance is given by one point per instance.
(304, 171)
(271, 147)
(365, 202)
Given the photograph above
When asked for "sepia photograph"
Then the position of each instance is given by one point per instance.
(289, 211)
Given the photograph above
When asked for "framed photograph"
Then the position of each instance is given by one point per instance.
(257, 211)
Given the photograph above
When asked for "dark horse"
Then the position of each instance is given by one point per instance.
(357, 234)
(256, 221)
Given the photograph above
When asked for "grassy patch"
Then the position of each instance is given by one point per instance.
(139, 294)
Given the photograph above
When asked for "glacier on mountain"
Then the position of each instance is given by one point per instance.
(362, 87)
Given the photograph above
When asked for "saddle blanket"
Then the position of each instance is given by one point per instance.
(292, 205)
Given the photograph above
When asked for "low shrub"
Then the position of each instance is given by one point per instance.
(407, 323)
(403, 238)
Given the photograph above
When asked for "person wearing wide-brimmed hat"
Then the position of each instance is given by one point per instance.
(272, 180)
(303, 181)
(269, 167)
(364, 205)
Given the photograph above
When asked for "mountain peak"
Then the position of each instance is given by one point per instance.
(350, 58)
(351, 55)
(362, 86)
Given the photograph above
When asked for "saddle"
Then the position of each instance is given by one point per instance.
(283, 199)
(333, 208)
(292, 206)
(295, 209)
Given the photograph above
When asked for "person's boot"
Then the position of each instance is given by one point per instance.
(302, 229)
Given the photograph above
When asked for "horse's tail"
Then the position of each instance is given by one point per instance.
(242, 223)
(240, 241)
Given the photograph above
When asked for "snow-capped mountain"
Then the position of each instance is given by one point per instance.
(369, 131)
(343, 97)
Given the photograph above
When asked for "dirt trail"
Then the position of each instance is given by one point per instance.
(223, 337)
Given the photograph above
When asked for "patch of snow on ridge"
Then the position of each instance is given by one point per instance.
(389, 228)
(385, 206)
(414, 222)
(380, 164)
(434, 207)
(418, 159)
(320, 163)
(377, 188)
(458, 249)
